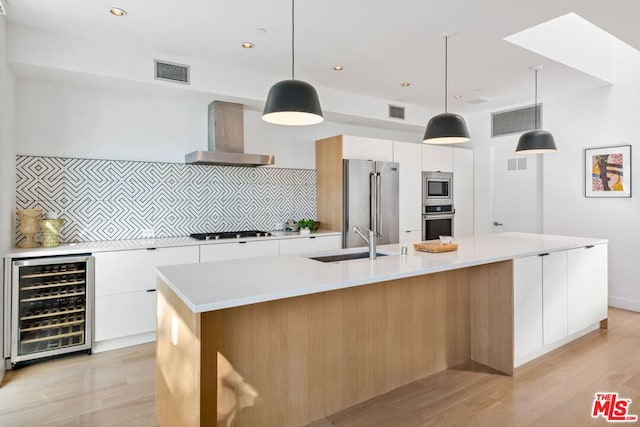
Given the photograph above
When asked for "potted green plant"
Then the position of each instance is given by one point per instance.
(306, 226)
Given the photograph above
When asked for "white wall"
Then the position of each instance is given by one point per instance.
(67, 120)
(594, 118)
(7, 162)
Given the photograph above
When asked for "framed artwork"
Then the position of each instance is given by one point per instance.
(607, 171)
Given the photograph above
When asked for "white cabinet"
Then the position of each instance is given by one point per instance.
(310, 244)
(125, 284)
(133, 270)
(122, 315)
(587, 288)
(554, 296)
(557, 295)
(437, 158)
(357, 147)
(408, 156)
(463, 192)
(237, 250)
(527, 306)
(409, 237)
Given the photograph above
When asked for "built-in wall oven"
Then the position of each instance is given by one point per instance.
(51, 306)
(437, 205)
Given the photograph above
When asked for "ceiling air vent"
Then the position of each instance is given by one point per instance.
(2, 9)
(515, 121)
(396, 112)
(171, 72)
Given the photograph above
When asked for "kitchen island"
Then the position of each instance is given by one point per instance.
(313, 338)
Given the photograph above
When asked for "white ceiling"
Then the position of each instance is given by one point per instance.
(379, 43)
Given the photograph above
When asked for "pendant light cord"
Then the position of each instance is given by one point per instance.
(536, 99)
(446, 71)
(293, 46)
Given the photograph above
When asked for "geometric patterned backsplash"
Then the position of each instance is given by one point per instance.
(117, 200)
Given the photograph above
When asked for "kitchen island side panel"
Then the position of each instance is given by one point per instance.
(313, 355)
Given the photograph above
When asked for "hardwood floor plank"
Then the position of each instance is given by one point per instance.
(117, 388)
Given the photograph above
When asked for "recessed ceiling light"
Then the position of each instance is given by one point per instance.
(247, 45)
(457, 96)
(405, 84)
(338, 68)
(116, 11)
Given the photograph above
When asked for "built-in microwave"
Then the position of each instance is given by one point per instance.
(437, 188)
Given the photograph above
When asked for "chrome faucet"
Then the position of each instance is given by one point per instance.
(371, 241)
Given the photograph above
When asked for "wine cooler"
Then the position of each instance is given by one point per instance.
(51, 306)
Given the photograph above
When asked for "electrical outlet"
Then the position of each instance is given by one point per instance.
(148, 233)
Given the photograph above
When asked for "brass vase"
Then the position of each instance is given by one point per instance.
(29, 226)
(50, 230)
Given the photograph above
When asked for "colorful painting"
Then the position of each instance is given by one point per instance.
(608, 171)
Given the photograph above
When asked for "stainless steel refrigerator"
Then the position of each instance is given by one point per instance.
(370, 200)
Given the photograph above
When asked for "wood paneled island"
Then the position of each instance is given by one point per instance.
(283, 341)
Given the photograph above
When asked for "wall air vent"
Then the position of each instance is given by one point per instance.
(3, 11)
(396, 112)
(515, 121)
(171, 72)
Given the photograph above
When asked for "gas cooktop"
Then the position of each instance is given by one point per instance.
(229, 235)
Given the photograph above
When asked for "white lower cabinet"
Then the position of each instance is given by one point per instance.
(238, 250)
(310, 244)
(588, 298)
(125, 284)
(122, 315)
(527, 305)
(554, 297)
(557, 295)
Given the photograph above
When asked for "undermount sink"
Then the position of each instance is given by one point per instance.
(344, 257)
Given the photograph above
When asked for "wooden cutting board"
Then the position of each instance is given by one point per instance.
(435, 247)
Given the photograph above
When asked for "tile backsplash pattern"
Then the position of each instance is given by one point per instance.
(113, 200)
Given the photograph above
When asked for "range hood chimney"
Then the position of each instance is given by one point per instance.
(226, 139)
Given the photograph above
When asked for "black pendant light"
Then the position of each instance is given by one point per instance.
(536, 141)
(292, 102)
(446, 128)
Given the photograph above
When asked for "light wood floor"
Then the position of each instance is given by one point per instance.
(117, 388)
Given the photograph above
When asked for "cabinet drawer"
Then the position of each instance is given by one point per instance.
(237, 250)
(122, 315)
(129, 271)
(310, 244)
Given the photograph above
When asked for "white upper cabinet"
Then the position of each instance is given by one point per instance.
(463, 192)
(357, 147)
(437, 158)
(408, 155)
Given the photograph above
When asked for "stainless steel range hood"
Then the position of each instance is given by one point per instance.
(226, 139)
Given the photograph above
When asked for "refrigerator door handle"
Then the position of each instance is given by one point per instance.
(378, 229)
(373, 203)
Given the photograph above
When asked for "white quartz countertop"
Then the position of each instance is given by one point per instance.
(123, 245)
(224, 284)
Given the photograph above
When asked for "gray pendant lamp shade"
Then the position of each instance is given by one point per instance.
(536, 141)
(292, 102)
(446, 128)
